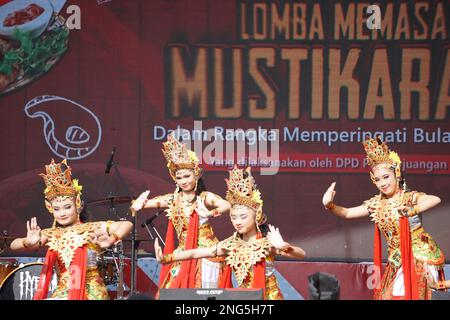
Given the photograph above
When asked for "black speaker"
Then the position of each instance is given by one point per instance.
(323, 286)
(211, 294)
(139, 296)
(440, 295)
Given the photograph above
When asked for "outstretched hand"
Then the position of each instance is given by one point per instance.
(102, 239)
(158, 251)
(328, 196)
(139, 203)
(202, 211)
(33, 232)
(275, 238)
(403, 210)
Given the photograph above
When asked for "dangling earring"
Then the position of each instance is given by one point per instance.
(196, 183)
(54, 224)
(259, 233)
(78, 219)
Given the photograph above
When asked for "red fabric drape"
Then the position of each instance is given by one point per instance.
(78, 268)
(77, 282)
(186, 275)
(46, 275)
(409, 271)
(168, 249)
(377, 257)
(225, 280)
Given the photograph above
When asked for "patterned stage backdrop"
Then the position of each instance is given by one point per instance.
(83, 77)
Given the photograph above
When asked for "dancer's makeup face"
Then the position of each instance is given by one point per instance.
(185, 179)
(385, 180)
(243, 218)
(64, 210)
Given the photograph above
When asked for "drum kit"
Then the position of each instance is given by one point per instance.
(19, 282)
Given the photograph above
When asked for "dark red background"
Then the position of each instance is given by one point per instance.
(115, 67)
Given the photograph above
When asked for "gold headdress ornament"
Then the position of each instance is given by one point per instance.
(58, 181)
(243, 191)
(178, 157)
(378, 154)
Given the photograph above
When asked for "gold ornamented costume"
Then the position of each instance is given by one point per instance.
(65, 241)
(71, 252)
(428, 260)
(190, 229)
(252, 261)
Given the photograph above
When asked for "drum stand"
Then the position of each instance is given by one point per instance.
(117, 250)
(119, 264)
(133, 242)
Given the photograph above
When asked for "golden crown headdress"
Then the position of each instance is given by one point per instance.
(178, 157)
(58, 182)
(243, 191)
(378, 153)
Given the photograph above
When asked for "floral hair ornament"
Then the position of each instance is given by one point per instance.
(378, 154)
(178, 157)
(59, 183)
(243, 191)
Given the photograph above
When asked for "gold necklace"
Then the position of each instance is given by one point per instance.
(187, 200)
(396, 200)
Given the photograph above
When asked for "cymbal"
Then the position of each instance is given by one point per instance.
(110, 200)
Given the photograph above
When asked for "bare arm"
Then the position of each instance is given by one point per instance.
(120, 228)
(33, 241)
(110, 233)
(20, 244)
(282, 247)
(159, 202)
(440, 285)
(221, 206)
(426, 202)
(350, 213)
(342, 212)
(419, 204)
(198, 253)
(292, 252)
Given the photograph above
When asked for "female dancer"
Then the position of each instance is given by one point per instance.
(188, 218)
(251, 250)
(413, 255)
(73, 243)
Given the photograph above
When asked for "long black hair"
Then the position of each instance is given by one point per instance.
(264, 228)
(200, 187)
(84, 214)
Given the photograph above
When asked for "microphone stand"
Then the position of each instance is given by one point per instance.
(134, 242)
(134, 245)
(150, 233)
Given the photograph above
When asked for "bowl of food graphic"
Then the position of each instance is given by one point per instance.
(25, 16)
